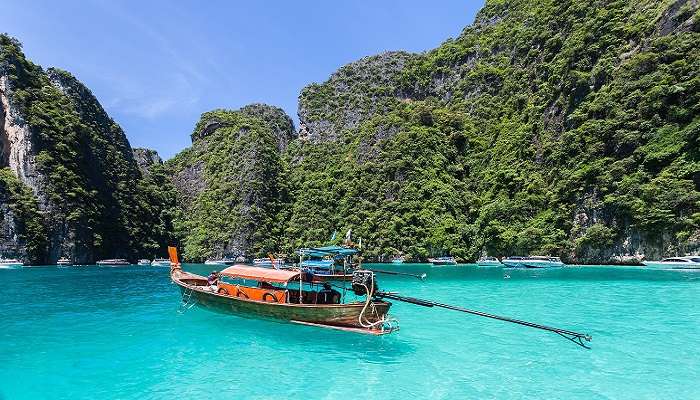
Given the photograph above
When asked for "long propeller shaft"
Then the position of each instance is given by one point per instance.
(381, 271)
(576, 337)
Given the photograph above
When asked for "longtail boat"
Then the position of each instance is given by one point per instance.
(328, 263)
(281, 295)
(286, 295)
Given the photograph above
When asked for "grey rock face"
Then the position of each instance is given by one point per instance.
(353, 93)
(16, 142)
(146, 158)
(17, 154)
(10, 244)
(58, 141)
(229, 180)
(190, 182)
(279, 122)
(678, 17)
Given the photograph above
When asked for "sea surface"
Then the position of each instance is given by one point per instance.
(115, 333)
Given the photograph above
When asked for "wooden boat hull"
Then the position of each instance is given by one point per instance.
(329, 315)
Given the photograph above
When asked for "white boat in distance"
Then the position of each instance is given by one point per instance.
(442, 261)
(489, 262)
(685, 262)
(398, 260)
(267, 262)
(113, 262)
(160, 262)
(532, 262)
(64, 261)
(144, 262)
(223, 261)
(10, 263)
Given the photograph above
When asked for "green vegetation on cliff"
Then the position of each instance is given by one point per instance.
(568, 128)
(96, 203)
(21, 211)
(231, 192)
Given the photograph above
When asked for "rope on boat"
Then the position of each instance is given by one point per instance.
(385, 323)
(187, 301)
(575, 337)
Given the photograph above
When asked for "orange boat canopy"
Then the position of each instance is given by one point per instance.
(259, 274)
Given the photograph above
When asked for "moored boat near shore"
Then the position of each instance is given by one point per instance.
(487, 261)
(685, 262)
(328, 263)
(542, 262)
(112, 262)
(532, 262)
(513, 262)
(443, 261)
(63, 261)
(288, 296)
(160, 262)
(10, 263)
(144, 262)
(269, 262)
(221, 261)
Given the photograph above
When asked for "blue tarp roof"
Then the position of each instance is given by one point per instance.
(327, 251)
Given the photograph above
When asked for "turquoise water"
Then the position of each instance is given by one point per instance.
(115, 333)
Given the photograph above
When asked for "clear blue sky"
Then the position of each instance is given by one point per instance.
(157, 65)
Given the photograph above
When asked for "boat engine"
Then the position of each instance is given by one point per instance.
(363, 281)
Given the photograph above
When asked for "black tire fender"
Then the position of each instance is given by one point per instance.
(272, 295)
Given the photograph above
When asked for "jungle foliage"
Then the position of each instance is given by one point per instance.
(551, 127)
(235, 163)
(96, 203)
(18, 203)
(568, 128)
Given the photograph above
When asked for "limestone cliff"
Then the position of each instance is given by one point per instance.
(58, 141)
(569, 128)
(352, 94)
(146, 158)
(566, 128)
(230, 184)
